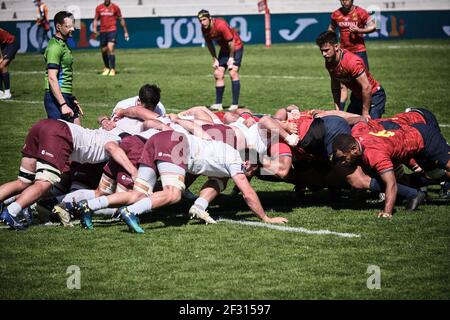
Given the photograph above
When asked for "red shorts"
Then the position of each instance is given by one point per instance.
(167, 146)
(221, 132)
(51, 141)
(133, 146)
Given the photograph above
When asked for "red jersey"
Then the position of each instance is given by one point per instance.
(303, 125)
(222, 33)
(406, 118)
(350, 67)
(383, 150)
(108, 16)
(362, 128)
(351, 41)
(6, 37)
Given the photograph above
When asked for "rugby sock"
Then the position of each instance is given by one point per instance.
(8, 201)
(402, 190)
(112, 61)
(141, 206)
(6, 83)
(78, 195)
(219, 94)
(235, 91)
(98, 203)
(105, 59)
(1, 81)
(14, 209)
(106, 212)
(201, 203)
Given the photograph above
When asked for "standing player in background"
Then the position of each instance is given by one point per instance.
(108, 13)
(58, 99)
(230, 56)
(43, 24)
(352, 22)
(9, 46)
(345, 68)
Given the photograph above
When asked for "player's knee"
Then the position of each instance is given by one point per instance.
(218, 74)
(173, 194)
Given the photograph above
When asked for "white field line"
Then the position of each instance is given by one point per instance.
(255, 76)
(290, 229)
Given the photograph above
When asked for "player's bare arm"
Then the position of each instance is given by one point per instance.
(336, 92)
(125, 30)
(390, 182)
(137, 113)
(121, 158)
(366, 88)
(252, 200)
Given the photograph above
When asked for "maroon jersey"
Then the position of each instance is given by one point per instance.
(350, 67)
(6, 37)
(383, 150)
(222, 33)
(351, 41)
(108, 16)
(132, 146)
(166, 146)
(50, 141)
(221, 132)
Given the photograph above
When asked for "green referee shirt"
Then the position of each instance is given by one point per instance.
(59, 56)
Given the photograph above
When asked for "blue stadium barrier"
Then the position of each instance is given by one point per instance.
(170, 32)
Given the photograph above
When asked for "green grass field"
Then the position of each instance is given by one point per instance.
(179, 258)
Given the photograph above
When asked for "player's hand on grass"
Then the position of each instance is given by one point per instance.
(277, 220)
(386, 215)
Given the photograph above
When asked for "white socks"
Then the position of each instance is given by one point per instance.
(201, 203)
(141, 206)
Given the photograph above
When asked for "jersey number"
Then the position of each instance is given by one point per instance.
(383, 133)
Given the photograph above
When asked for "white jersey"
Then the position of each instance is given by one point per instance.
(253, 137)
(174, 126)
(147, 134)
(131, 125)
(213, 158)
(255, 140)
(88, 144)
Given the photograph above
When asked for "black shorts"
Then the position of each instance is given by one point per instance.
(225, 55)
(106, 37)
(9, 50)
(436, 147)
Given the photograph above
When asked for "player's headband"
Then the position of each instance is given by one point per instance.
(203, 13)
